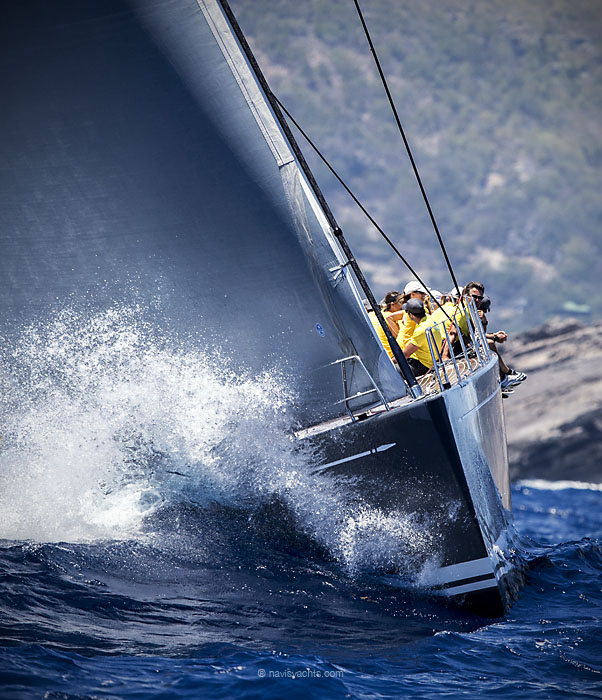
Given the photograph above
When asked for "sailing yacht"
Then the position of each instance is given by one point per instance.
(143, 148)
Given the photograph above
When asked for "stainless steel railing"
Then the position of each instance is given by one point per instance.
(348, 398)
(472, 352)
(478, 349)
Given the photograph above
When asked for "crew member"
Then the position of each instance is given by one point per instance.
(417, 349)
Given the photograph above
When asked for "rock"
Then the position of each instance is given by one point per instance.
(554, 418)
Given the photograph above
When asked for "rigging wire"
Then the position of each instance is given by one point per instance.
(348, 190)
(405, 141)
(356, 200)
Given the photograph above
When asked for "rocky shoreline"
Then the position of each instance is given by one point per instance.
(554, 418)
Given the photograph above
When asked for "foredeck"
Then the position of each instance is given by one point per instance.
(443, 375)
(430, 384)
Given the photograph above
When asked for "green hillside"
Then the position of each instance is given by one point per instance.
(502, 104)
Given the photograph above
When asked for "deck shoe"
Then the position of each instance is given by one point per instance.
(512, 379)
(516, 376)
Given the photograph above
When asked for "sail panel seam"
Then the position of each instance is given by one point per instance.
(248, 87)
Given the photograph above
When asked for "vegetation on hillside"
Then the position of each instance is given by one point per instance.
(501, 102)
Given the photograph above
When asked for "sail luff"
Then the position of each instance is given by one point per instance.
(216, 19)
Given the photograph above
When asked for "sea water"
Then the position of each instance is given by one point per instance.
(162, 536)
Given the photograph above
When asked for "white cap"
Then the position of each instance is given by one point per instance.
(436, 294)
(455, 292)
(414, 286)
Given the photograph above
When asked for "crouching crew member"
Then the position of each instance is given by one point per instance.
(417, 349)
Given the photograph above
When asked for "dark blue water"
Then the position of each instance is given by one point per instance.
(220, 601)
(162, 536)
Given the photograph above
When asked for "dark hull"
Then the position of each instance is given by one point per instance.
(435, 460)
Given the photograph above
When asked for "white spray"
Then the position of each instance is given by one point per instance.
(103, 421)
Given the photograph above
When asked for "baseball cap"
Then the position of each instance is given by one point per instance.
(414, 306)
(414, 286)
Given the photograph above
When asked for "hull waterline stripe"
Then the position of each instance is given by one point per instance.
(469, 587)
(464, 581)
(457, 572)
(380, 448)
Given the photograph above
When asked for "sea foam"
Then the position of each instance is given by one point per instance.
(105, 421)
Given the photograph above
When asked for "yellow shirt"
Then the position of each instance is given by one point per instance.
(439, 313)
(406, 328)
(443, 314)
(461, 320)
(452, 311)
(419, 338)
(381, 333)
